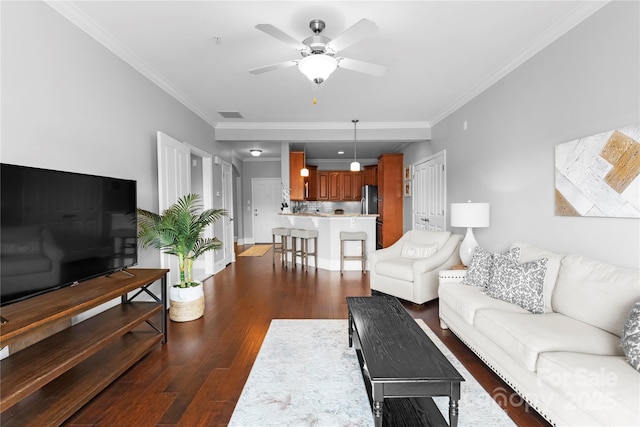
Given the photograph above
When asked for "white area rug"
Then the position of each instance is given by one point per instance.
(306, 375)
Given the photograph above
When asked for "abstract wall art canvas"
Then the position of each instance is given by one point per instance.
(599, 175)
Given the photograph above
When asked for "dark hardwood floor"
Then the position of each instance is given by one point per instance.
(197, 377)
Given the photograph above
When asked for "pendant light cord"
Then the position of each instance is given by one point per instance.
(355, 138)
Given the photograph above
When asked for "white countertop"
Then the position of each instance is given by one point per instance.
(330, 215)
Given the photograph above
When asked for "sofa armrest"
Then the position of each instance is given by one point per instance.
(451, 276)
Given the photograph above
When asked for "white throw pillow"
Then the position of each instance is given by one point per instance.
(417, 250)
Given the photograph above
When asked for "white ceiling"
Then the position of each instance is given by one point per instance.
(439, 55)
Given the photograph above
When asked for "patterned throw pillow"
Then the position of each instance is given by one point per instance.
(631, 337)
(481, 266)
(520, 284)
(417, 250)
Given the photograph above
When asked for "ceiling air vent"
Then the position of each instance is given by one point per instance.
(231, 114)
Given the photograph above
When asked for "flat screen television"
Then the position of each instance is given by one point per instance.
(59, 228)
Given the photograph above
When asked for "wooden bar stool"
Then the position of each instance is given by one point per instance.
(281, 247)
(303, 252)
(360, 236)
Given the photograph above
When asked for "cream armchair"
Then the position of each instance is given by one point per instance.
(408, 269)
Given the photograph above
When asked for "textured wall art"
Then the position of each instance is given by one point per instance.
(599, 175)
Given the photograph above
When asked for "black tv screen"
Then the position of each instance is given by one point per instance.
(58, 228)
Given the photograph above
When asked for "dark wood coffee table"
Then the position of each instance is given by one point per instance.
(398, 360)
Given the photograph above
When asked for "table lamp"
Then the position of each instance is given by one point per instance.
(469, 215)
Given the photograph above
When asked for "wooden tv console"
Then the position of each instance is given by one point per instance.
(47, 382)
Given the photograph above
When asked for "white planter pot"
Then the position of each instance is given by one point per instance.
(186, 303)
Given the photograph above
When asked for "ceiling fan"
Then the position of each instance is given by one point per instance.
(318, 52)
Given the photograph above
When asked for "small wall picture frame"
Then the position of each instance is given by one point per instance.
(407, 189)
(407, 173)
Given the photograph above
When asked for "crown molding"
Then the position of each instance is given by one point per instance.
(89, 26)
(562, 27)
(320, 126)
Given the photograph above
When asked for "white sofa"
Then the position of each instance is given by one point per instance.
(568, 362)
(408, 269)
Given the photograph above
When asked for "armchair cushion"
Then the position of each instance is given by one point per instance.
(400, 268)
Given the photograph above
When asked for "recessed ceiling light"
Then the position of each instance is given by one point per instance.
(340, 152)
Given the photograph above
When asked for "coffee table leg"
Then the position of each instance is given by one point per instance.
(378, 403)
(350, 330)
(453, 412)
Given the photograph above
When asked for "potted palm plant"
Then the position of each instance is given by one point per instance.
(179, 231)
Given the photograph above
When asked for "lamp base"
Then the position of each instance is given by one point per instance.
(467, 247)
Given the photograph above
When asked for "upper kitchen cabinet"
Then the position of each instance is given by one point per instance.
(370, 175)
(296, 182)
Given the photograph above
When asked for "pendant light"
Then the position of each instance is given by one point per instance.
(355, 166)
(304, 171)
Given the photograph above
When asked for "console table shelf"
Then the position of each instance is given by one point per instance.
(50, 380)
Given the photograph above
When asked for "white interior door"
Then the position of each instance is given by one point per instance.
(227, 221)
(174, 181)
(429, 193)
(267, 197)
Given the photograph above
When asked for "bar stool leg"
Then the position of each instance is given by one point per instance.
(315, 251)
(364, 257)
(273, 255)
(341, 257)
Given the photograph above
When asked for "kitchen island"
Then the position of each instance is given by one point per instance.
(329, 227)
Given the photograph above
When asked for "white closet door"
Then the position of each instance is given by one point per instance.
(267, 197)
(174, 181)
(429, 194)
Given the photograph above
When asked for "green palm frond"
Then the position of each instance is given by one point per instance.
(178, 230)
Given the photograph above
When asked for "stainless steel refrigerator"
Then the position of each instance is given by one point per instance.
(369, 200)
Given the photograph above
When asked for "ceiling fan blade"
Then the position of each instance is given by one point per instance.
(280, 35)
(358, 31)
(272, 67)
(362, 66)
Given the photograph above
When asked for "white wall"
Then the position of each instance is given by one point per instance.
(585, 83)
(70, 104)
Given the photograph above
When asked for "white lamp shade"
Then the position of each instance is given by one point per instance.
(304, 172)
(317, 67)
(355, 167)
(470, 214)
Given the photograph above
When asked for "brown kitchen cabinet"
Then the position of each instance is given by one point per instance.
(390, 176)
(370, 175)
(311, 183)
(296, 182)
(323, 185)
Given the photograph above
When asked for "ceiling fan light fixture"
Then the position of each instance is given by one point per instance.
(255, 152)
(318, 67)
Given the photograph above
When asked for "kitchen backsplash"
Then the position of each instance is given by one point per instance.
(325, 207)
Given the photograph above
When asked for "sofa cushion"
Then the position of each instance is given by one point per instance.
(517, 283)
(531, 253)
(414, 250)
(596, 293)
(525, 336)
(467, 300)
(631, 337)
(399, 268)
(481, 265)
(605, 387)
